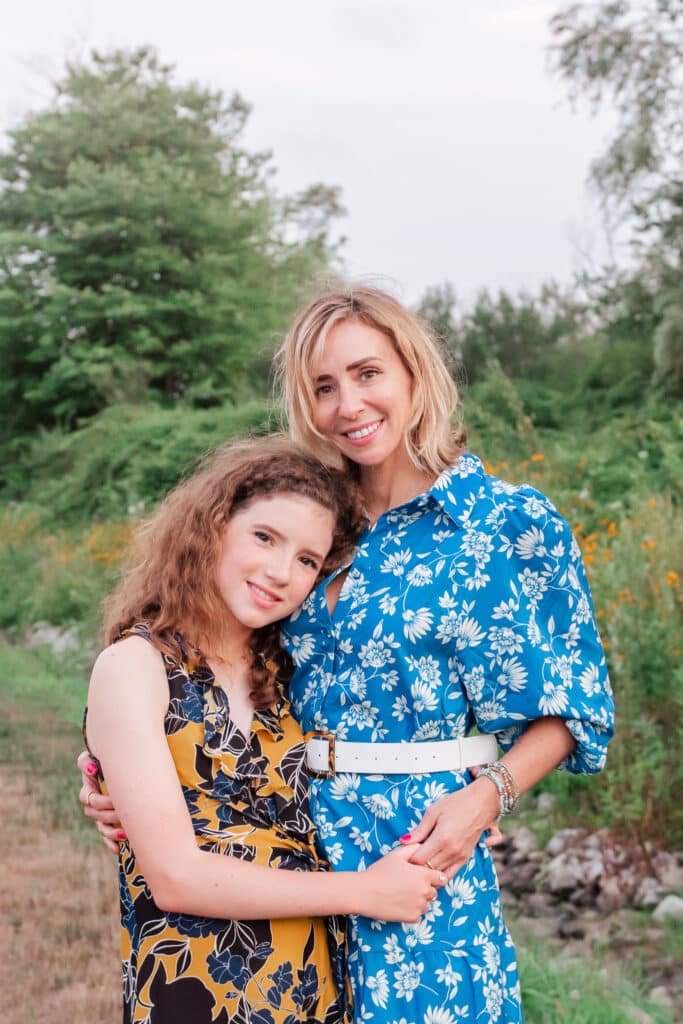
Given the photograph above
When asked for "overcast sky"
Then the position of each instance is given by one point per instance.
(458, 155)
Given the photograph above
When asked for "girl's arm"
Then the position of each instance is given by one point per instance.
(98, 806)
(451, 827)
(127, 702)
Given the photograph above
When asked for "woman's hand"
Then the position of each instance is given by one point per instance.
(98, 806)
(495, 836)
(394, 889)
(450, 828)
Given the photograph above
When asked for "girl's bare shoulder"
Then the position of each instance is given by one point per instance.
(130, 655)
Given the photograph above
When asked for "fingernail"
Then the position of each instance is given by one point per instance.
(406, 838)
(120, 834)
(91, 769)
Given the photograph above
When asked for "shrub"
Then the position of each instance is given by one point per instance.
(124, 459)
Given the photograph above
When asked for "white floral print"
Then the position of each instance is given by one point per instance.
(475, 611)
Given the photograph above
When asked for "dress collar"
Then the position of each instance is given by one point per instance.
(454, 491)
(457, 487)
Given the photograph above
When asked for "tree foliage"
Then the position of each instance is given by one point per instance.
(631, 53)
(143, 250)
(520, 333)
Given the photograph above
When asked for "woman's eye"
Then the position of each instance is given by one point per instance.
(324, 389)
(310, 563)
(368, 373)
(261, 535)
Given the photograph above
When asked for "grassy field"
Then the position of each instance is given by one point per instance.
(58, 902)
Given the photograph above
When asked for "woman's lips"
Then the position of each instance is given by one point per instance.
(363, 435)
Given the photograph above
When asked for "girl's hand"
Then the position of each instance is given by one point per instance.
(394, 889)
(98, 806)
(451, 828)
(495, 836)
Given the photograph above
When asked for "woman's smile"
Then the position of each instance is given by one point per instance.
(363, 394)
(362, 435)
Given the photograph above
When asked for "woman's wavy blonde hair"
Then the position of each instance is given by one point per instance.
(435, 436)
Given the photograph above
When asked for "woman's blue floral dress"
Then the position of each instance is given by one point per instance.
(467, 606)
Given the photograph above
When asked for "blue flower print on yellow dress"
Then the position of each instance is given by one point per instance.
(247, 798)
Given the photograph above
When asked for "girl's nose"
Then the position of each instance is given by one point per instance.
(278, 569)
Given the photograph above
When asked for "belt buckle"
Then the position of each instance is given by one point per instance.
(322, 773)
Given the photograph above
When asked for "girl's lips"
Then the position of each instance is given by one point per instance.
(363, 435)
(266, 598)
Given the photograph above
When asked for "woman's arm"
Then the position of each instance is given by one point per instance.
(127, 701)
(451, 827)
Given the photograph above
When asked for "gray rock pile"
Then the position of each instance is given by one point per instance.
(596, 870)
(593, 889)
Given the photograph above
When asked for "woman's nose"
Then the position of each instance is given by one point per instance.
(350, 402)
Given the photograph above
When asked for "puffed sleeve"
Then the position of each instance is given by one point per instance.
(536, 651)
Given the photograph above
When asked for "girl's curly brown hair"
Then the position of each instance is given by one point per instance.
(170, 584)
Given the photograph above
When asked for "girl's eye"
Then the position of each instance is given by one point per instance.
(368, 373)
(324, 389)
(310, 563)
(261, 535)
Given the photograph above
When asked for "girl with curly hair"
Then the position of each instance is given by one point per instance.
(225, 901)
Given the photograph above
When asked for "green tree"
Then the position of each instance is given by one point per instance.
(631, 54)
(143, 250)
(520, 333)
(437, 307)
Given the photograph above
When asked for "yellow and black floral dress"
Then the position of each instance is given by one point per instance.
(247, 799)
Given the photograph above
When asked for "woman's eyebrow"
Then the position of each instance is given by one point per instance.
(351, 366)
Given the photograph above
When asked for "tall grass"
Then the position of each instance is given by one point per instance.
(558, 989)
(40, 732)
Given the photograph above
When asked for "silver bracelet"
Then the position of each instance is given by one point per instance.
(504, 781)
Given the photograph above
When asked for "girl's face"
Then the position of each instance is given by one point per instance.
(272, 552)
(362, 394)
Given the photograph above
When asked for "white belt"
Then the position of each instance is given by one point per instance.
(326, 755)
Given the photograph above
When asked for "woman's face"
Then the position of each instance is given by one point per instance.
(362, 394)
(272, 552)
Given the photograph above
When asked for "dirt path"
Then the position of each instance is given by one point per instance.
(58, 919)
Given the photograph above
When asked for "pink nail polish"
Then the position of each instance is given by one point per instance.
(91, 769)
(120, 834)
(406, 838)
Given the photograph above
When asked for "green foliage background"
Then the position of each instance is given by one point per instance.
(147, 268)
